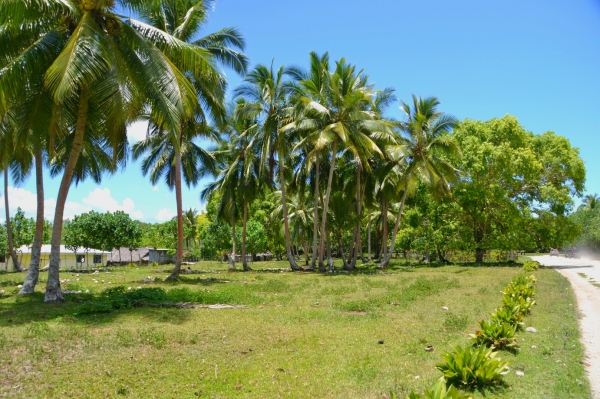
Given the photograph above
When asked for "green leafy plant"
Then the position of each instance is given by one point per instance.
(440, 390)
(495, 335)
(524, 304)
(521, 286)
(520, 290)
(472, 367)
(509, 314)
(531, 266)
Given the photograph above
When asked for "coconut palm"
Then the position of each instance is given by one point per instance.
(183, 19)
(190, 219)
(34, 108)
(267, 101)
(337, 109)
(163, 161)
(7, 135)
(239, 180)
(101, 68)
(424, 153)
(590, 201)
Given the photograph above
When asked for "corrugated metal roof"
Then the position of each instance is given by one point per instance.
(46, 250)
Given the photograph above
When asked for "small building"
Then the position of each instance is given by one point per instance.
(266, 256)
(160, 255)
(124, 256)
(238, 257)
(69, 259)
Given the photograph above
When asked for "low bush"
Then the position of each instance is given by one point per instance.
(472, 367)
(511, 315)
(531, 266)
(496, 335)
(439, 390)
(512, 301)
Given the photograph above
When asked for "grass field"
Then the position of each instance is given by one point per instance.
(297, 335)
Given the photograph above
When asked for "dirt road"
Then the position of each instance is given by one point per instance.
(583, 274)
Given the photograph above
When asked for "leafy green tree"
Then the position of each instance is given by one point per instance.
(508, 176)
(23, 229)
(256, 237)
(3, 243)
(588, 224)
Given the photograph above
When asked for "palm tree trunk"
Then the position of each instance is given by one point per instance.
(329, 258)
(179, 255)
(286, 224)
(384, 229)
(53, 291)
(11, 249)
(232, 256)
(305, 250)
(33, 272)
(388, 256)
(313, 262)
(245, 220)
(356, 236)
(326, 205)
(369, 239)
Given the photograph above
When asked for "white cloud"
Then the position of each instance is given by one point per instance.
(137, 131)
(72, 209)
(165, 214)
(99, 200)
(27, 201)
(154, 188)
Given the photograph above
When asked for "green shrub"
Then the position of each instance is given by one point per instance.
(511, 315)
(512, 301)
(520, 290)
(472, 367)
(531, 266)
(495, 335)
(439, 390)
(521, 285)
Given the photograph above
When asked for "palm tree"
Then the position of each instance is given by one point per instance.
(35, 108)
(239, 180)
(190, 219)
(101, 68)
(183, 19)
(590, 201)
(162, 160)
(336, 108)
(424, 153)
(7, 134)
(267, 94)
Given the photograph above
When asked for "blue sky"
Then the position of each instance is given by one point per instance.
(538, 61)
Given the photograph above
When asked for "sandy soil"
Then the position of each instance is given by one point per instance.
(588, 302)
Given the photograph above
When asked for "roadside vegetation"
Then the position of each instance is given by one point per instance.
(357, 335)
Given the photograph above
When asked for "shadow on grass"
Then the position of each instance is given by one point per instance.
(104, 307)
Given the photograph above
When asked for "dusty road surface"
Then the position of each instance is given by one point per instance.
(583, 274)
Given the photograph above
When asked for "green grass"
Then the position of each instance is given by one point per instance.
(299, 335)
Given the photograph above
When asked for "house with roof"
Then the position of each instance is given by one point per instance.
(69, 259)
(125, 256)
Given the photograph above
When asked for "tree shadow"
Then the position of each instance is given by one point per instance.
(27, 309)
